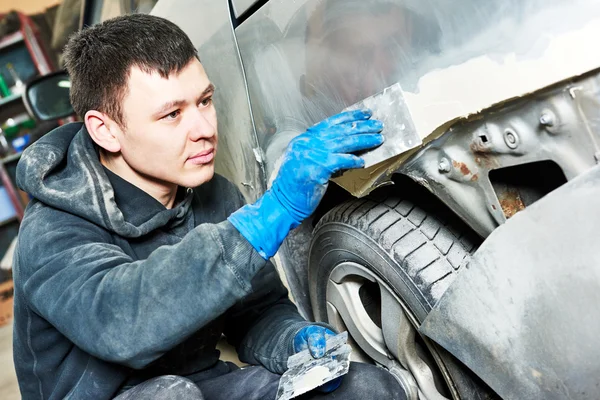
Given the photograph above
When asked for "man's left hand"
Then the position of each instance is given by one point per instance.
(314, 337)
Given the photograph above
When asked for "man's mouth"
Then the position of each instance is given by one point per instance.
(204, 157)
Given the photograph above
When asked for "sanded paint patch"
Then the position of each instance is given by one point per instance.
(462, 90)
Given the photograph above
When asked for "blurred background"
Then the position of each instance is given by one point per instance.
(32, 36)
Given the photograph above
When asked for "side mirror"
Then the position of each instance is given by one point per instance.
(47, 97)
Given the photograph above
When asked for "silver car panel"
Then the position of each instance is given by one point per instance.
(523, 315)
(560, 125)
(306, 60)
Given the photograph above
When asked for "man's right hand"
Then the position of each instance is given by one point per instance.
(309, 161)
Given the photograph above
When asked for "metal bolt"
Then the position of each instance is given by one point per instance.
(511, 139)
(444, 165)
(547, 119)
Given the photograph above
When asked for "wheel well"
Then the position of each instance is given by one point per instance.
(519, 186)
(335, 196)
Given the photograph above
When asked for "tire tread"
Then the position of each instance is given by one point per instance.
(427, 247)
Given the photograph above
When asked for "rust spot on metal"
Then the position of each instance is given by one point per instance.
(478, 147)
(487, 161)
(494, 206)
(511, 202)
(462, 167)
(483, 155)
(474, 178)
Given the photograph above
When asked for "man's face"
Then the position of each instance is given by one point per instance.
(170, 134)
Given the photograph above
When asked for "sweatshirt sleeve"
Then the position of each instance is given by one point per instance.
(262, 325)
(124, 311)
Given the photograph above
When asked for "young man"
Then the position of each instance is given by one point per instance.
(134, 257)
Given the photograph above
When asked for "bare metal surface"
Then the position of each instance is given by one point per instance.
(394, 340)
(208, 24)
(456, 167)
(524, 314)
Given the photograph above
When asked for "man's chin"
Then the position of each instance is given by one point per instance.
(199, 178)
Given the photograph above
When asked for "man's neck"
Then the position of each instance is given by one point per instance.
(165, 193)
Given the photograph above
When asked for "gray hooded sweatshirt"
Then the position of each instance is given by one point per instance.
(112, 288)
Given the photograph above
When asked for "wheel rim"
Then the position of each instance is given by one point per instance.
(390, 339)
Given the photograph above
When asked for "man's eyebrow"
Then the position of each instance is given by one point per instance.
(209, 89)
(179, 103)
(168, 106)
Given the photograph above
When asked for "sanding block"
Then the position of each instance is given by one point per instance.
(399, 130)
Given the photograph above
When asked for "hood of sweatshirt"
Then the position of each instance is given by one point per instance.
(63, 170)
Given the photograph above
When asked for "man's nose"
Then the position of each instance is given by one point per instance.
(202, 126)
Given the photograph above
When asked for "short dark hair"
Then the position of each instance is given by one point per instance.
(99, 59)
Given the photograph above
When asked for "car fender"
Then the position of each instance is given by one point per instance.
(524, 315)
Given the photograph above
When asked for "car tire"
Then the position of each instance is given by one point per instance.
(416, 251)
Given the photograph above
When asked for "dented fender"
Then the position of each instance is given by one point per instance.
(524, 315)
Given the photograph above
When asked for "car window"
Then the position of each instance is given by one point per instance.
(114, 8)
(137, 6)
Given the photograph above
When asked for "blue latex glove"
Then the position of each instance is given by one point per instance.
(314, 337)
(309, 161)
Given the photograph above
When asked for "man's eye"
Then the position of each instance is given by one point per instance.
(206, 102)
(172, 115)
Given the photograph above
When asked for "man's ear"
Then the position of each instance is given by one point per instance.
(103, 130)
